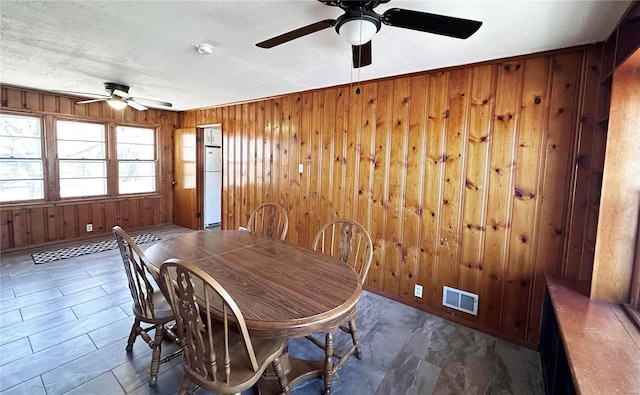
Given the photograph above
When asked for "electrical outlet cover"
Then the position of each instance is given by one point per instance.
(418, 291)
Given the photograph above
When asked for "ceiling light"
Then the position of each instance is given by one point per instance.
(117, 103)
(204, 48)
(358, 27)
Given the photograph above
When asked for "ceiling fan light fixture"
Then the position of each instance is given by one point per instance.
(117, 103)
(358, 26)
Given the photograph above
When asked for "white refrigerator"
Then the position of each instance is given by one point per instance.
(212, 185)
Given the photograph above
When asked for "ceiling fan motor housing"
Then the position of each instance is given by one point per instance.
(110, 87)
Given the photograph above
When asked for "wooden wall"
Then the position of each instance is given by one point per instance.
(45, 222)
(463, 177)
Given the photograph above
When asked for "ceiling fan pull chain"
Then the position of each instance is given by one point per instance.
(359, 56)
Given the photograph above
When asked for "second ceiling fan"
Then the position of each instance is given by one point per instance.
(360, 23)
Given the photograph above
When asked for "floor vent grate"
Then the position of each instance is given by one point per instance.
(460, 300)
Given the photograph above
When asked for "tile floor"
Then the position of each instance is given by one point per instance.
(64, 324)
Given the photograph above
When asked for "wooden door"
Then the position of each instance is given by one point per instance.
(185, 178)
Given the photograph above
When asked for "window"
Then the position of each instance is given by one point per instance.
(21, 160)
(82, 159)
(136, 159)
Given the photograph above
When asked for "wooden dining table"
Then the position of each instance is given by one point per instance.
(282, 289)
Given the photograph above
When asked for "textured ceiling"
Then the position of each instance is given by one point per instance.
(150, 46)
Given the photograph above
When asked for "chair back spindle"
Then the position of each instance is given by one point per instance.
(209, 343)
(269, 219)
(348, 241)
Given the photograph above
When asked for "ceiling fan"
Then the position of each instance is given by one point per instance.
(118, 98)
(360, 23)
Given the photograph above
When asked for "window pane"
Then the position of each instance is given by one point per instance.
(136, 177)
(131, 169)
(83, 169)
(136, 151)
(20, 147)
(81, 150)
(15, 125)
(127, 134)
(80, 131)
(83, 187)
(22, 172)
(15, 190)
(20, 169)
(137, 185)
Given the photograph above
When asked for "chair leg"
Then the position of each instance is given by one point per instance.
(328, 362)
(133, 335)
(155, 358)
(184, 386)
(282, 378)
(354, 337)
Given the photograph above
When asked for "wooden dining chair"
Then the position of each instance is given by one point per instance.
(149, 304)
(350, 242)
(219, 355)
(269, 219)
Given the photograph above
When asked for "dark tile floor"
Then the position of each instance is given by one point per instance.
(64, 324)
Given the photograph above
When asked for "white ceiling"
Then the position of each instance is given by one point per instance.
(150, 45)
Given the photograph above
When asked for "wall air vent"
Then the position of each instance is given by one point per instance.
(460, 300)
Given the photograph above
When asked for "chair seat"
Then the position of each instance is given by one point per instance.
(241, 376)
(162, 310)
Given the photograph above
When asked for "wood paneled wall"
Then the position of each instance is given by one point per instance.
(45, 222)
(463, 177)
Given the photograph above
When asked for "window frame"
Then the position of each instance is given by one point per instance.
(156, 158)
(58, 160)
(43, 158)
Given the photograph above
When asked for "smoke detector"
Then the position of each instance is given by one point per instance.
(204, 48)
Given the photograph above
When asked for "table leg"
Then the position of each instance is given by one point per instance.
(297, 371)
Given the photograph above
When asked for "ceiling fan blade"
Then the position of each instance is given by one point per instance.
(137, 106)
(431, 23)
(120, 93)
(292, 35)
(151, 101)
(361, 55)
(81, 94)
(92, 100)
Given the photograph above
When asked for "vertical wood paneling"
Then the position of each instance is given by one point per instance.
(476, 175)
(285, 187)
(305, 132)
(327, 163)
(367, 154)
(557, 152)
(259, 143)
(453, 161)
(583, 163)
(380, 184)
(437, 108)
(244, 163)
(520, 264)
(315, 164)
(396, 175)
(252, 177)
(414, 187)
(37, 225)
(500, 193)
(353, 134)
(54, 224)
(295, 205)
(449, 171)
(339, 154)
